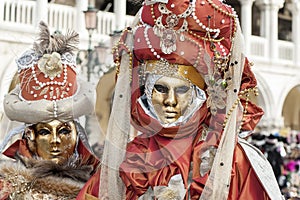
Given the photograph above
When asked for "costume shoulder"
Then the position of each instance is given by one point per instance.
(19, 182)
(262, 168)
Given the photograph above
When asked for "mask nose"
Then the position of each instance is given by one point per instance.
(171, 99)
(55, 138)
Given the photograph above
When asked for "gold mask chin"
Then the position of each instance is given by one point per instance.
(55, 141)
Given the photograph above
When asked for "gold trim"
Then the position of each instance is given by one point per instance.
(173, 70)
(90, 197)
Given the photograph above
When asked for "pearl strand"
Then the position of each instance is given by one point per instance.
(197, 20)
(115, 51)
(222, 49)
(152, 14)
(55, 108)
(238, 100)
(51, 82)
(149, 43)
(232, 15)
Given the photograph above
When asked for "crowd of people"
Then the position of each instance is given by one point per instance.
(283, 153)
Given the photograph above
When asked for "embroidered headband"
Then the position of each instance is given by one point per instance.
(175, 70)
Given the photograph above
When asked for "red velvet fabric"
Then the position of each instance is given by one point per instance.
(159, 153)
(244, 182)
(91, 187)
(151, 160)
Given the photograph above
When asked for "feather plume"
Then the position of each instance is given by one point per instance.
(43, 41)
(57, 42)
(71, 41)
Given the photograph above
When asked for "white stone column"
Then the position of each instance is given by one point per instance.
(1, 12)
(269, 12)
(120, 12)
(41, 11)
(295, 7)
(81, 5)
(264, 23)
(273, 37)
(246, 23)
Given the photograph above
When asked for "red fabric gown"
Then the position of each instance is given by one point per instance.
(159, 153)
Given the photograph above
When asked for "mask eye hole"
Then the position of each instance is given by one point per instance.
(43, 132)
(161, 88)
(182, 89)
(64, 131)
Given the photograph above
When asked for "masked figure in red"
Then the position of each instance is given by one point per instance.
(183, 85)
(53, 158)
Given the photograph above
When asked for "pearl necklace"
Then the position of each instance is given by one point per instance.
(211, 30)
(149, 43)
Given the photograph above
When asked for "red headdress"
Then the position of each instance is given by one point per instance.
(49, 88)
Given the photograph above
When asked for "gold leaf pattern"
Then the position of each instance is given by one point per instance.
(36, 87)
(51, 94)
(44, 91)
(65, 93)
(57, 92)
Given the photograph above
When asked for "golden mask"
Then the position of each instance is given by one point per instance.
(171, 98)
(54, 141)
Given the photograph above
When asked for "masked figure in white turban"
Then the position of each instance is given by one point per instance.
(53, 158)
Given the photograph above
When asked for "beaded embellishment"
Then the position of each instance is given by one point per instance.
(53, 84)
(167, 33)
(216, 31)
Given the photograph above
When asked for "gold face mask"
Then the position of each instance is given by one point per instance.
(54, 141)
(171, 98)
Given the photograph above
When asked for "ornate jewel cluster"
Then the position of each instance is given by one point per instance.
(50, 65)
(163, 67)
(157, 55)
(218, 79)
(216, 90)
(167, 33)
